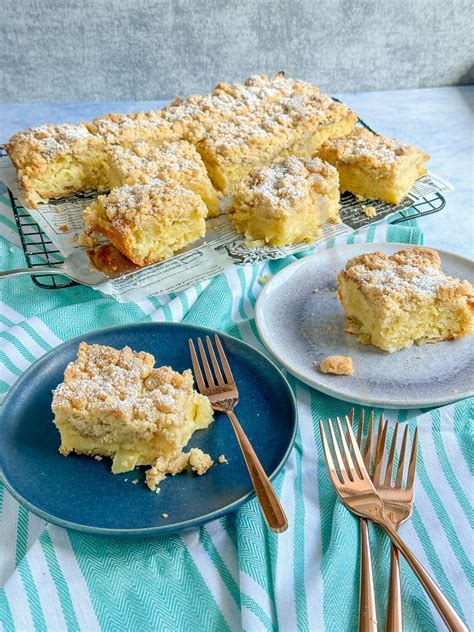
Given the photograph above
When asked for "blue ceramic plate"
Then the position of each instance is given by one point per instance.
(301, 321)
(81, 493)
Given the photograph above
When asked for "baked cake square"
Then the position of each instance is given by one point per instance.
(115, 403)
(286, 202)
(148, 222)
(177, 162)
(373, 166)
(392, 302)
(57, 160)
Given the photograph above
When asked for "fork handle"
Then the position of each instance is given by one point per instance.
(394, 610)
(271, 507)
(451, 618)
(367, 611)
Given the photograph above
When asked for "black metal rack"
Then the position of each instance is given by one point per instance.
(40, 251)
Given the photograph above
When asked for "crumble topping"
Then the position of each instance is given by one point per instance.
(414, 272)
(51, 140)
(280, 184)
(366, 149)
(131, 203)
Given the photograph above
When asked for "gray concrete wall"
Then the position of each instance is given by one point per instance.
(54, 50)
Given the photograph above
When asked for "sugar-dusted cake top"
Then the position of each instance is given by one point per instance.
(130, 205)
(48, 141)
(282, 184)
(411, 274)
(369, 150)
(120, 383)
(178, 156)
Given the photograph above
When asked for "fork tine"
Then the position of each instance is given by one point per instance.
(401, 460)
(391, 456)
(380, 449)
(412, 465)
(360, 427)
(196, 367)
(327, 455)
(335, 445)
(204, 360)
(356, 451)
(223, 357)
(215, 363)
(368, 442)
(348, 462)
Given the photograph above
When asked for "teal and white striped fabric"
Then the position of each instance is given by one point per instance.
(230, 574)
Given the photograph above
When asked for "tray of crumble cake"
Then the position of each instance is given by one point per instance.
(381, 324)
(107, 434)
(251, 171)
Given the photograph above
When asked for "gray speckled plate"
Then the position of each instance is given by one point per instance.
(300, 327)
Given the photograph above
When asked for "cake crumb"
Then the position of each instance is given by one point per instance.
(64, 228)
(369, 211)
(157, 490)
(125, 480)
(164, 515)
(339, 365)
(264, 279)
(87, 241)
(98, 457)
(222, 459)
(360, 198)
(199, 461)
(135, 481)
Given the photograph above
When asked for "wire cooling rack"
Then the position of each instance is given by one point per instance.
(40, 251)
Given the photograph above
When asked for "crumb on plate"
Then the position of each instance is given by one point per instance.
(222, 459)
(339, 365)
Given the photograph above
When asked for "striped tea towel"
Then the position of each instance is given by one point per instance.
(231, 574)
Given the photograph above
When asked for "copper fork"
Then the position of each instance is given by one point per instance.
(367, 609)
(398, 504)
(356, 491)
(224, 397)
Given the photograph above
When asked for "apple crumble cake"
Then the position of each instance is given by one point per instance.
(374, 167)
(392, 302)
(57, 160)
(286, 202)
(115, 403)
(177, 162)
(148, 222)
